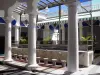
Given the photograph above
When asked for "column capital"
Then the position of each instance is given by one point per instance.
(72, 3)
(9, 18)
(33, 12)
(17, 17)
(32, 6)
(17, 26)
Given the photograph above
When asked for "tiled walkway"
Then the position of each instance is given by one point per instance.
(8, 70)
(45, 70)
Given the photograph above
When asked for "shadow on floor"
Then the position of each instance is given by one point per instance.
(95, 74)
(67, 73)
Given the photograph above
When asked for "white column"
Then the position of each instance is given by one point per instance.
(55, 37)
(32, 41)
(44, 33)
(60, 36)
(47, 30)
(80, 30)
(73, 45)
(9, 7)
(63, 33)
(17, 30)
(8, 53)
(32, 63)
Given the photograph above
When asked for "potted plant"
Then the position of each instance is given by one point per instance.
(84, 40)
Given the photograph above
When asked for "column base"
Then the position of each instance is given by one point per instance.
(32, 67)
(67, 73)
(8, 60)
(15, 47)
(72, 70)
(16, 44)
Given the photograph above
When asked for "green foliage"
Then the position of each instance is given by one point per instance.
(46, 40)
(23, 40)
(86, 38)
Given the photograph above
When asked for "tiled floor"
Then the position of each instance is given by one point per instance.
(8, 70)
(46, 70)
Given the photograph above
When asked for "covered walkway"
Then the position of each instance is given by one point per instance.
(15, 7)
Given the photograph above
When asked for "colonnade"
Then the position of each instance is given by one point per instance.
(73, 46)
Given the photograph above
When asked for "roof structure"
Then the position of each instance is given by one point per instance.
(52, 3)
(49, 3)
(42, 4)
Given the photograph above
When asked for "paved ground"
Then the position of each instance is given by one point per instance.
(8, 70)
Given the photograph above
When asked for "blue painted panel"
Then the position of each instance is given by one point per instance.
(51, 27)
(66, 25)
(22, 24)
(97, 22)
(84, 23)
(2, 20)
(57, 27)
(13, 22)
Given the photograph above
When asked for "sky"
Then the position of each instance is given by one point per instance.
(95, 1)
(55, 9)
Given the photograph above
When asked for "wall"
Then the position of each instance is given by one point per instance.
(85, 58)
(97, 34)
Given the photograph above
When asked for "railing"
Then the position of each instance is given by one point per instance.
(83, 45)
(80, 10)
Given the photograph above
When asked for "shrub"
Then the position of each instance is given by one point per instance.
(23, 41)
(46, 40)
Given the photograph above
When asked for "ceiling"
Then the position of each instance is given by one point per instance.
(42, 4)
(49, 3)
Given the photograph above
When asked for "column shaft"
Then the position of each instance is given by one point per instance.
(33, 12)
(44, 33)
(63, 34)
(8, 53)
(73, 47)
(17, 34)
(80, 30)
(32, 40)
(17, 29)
